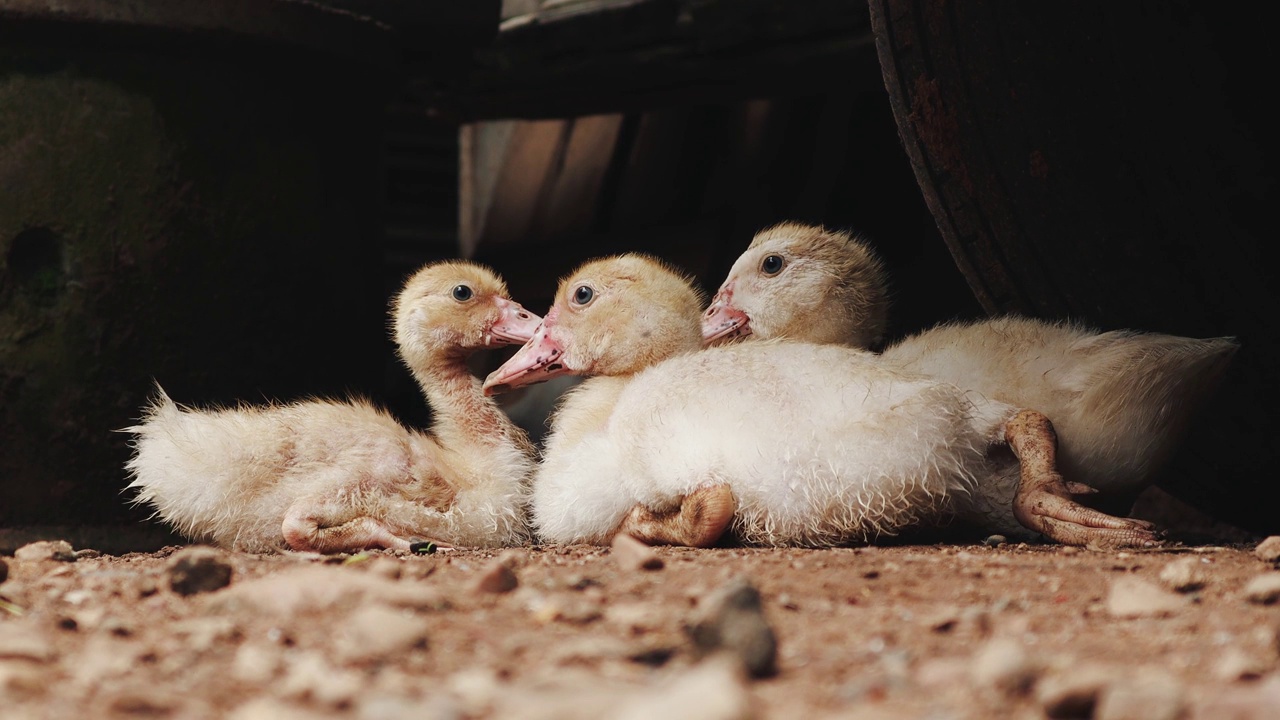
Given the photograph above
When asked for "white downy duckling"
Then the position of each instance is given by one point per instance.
(1120, 401)
(790, 443)
(339, 476)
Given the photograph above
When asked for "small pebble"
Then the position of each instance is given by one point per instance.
(376, 632)
(1269, 550)
(1005, 665)
(944, 620)
(1132, 597)
(733, 620)
(1072, 693)
(1145, 697)
(1243, 701)
(198, 570)
(995, 540)
(631, 554)
(147, 587)
(59, 550)
(497, 576)
(942, 673)
(1184, 574)
(1235, 664)
(713, 690)
(25, 642)
(1263, 589)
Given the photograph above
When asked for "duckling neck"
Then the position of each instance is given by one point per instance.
(462, 416)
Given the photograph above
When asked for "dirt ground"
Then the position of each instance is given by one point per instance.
(926, 631)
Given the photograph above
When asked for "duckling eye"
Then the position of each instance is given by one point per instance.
(583, 295)
(462, 293)
(772, 264)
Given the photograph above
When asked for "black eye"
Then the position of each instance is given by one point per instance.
(772, 264)
(583, 295)
(462, 293)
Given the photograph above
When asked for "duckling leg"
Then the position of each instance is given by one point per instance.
(698, 521)
(306, 528)
(1043, 501)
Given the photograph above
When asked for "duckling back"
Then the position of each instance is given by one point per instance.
(1120, 401)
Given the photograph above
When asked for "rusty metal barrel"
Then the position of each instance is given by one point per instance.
(1113, 163)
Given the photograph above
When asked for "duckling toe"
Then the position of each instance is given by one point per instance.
(1069, 533)
(310, 532)
(1065, 521)
(700, 519)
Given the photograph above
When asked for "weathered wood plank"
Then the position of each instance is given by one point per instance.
(579, 58)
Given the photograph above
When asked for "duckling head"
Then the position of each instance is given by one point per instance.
(804, 282)
(456, 308)
(612, 316)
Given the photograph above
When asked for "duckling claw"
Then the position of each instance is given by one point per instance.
(1043, 502)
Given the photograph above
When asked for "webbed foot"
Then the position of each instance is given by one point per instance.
(1044, 501)
(698, 521)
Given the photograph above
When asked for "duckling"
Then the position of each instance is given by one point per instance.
(1120, 401)
(780, 443)
(339, 476)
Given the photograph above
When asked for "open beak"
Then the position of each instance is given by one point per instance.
(538, 361)
(515, 324)
(723, 321)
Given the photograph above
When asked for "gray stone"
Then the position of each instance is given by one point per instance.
(1072, 693)
(322, 588)
(1269, 550)
(1148, 696)
(1184, 574)
(631, 554)
(20, 679)
(59, 550)
(1263, 589)
(1236, 664)
(1244, 701)
(712, 690)
(498, 576)
(376, 632)
(24, 642)
(1005, 665)
(1132, 597)
(198, 570)
(256, 662)
(310, 677)
(733, 620)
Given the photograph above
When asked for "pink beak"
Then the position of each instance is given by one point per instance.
(538, 361)
(723, 321)
(515, 324)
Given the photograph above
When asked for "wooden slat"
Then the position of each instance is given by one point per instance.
(583, 58)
